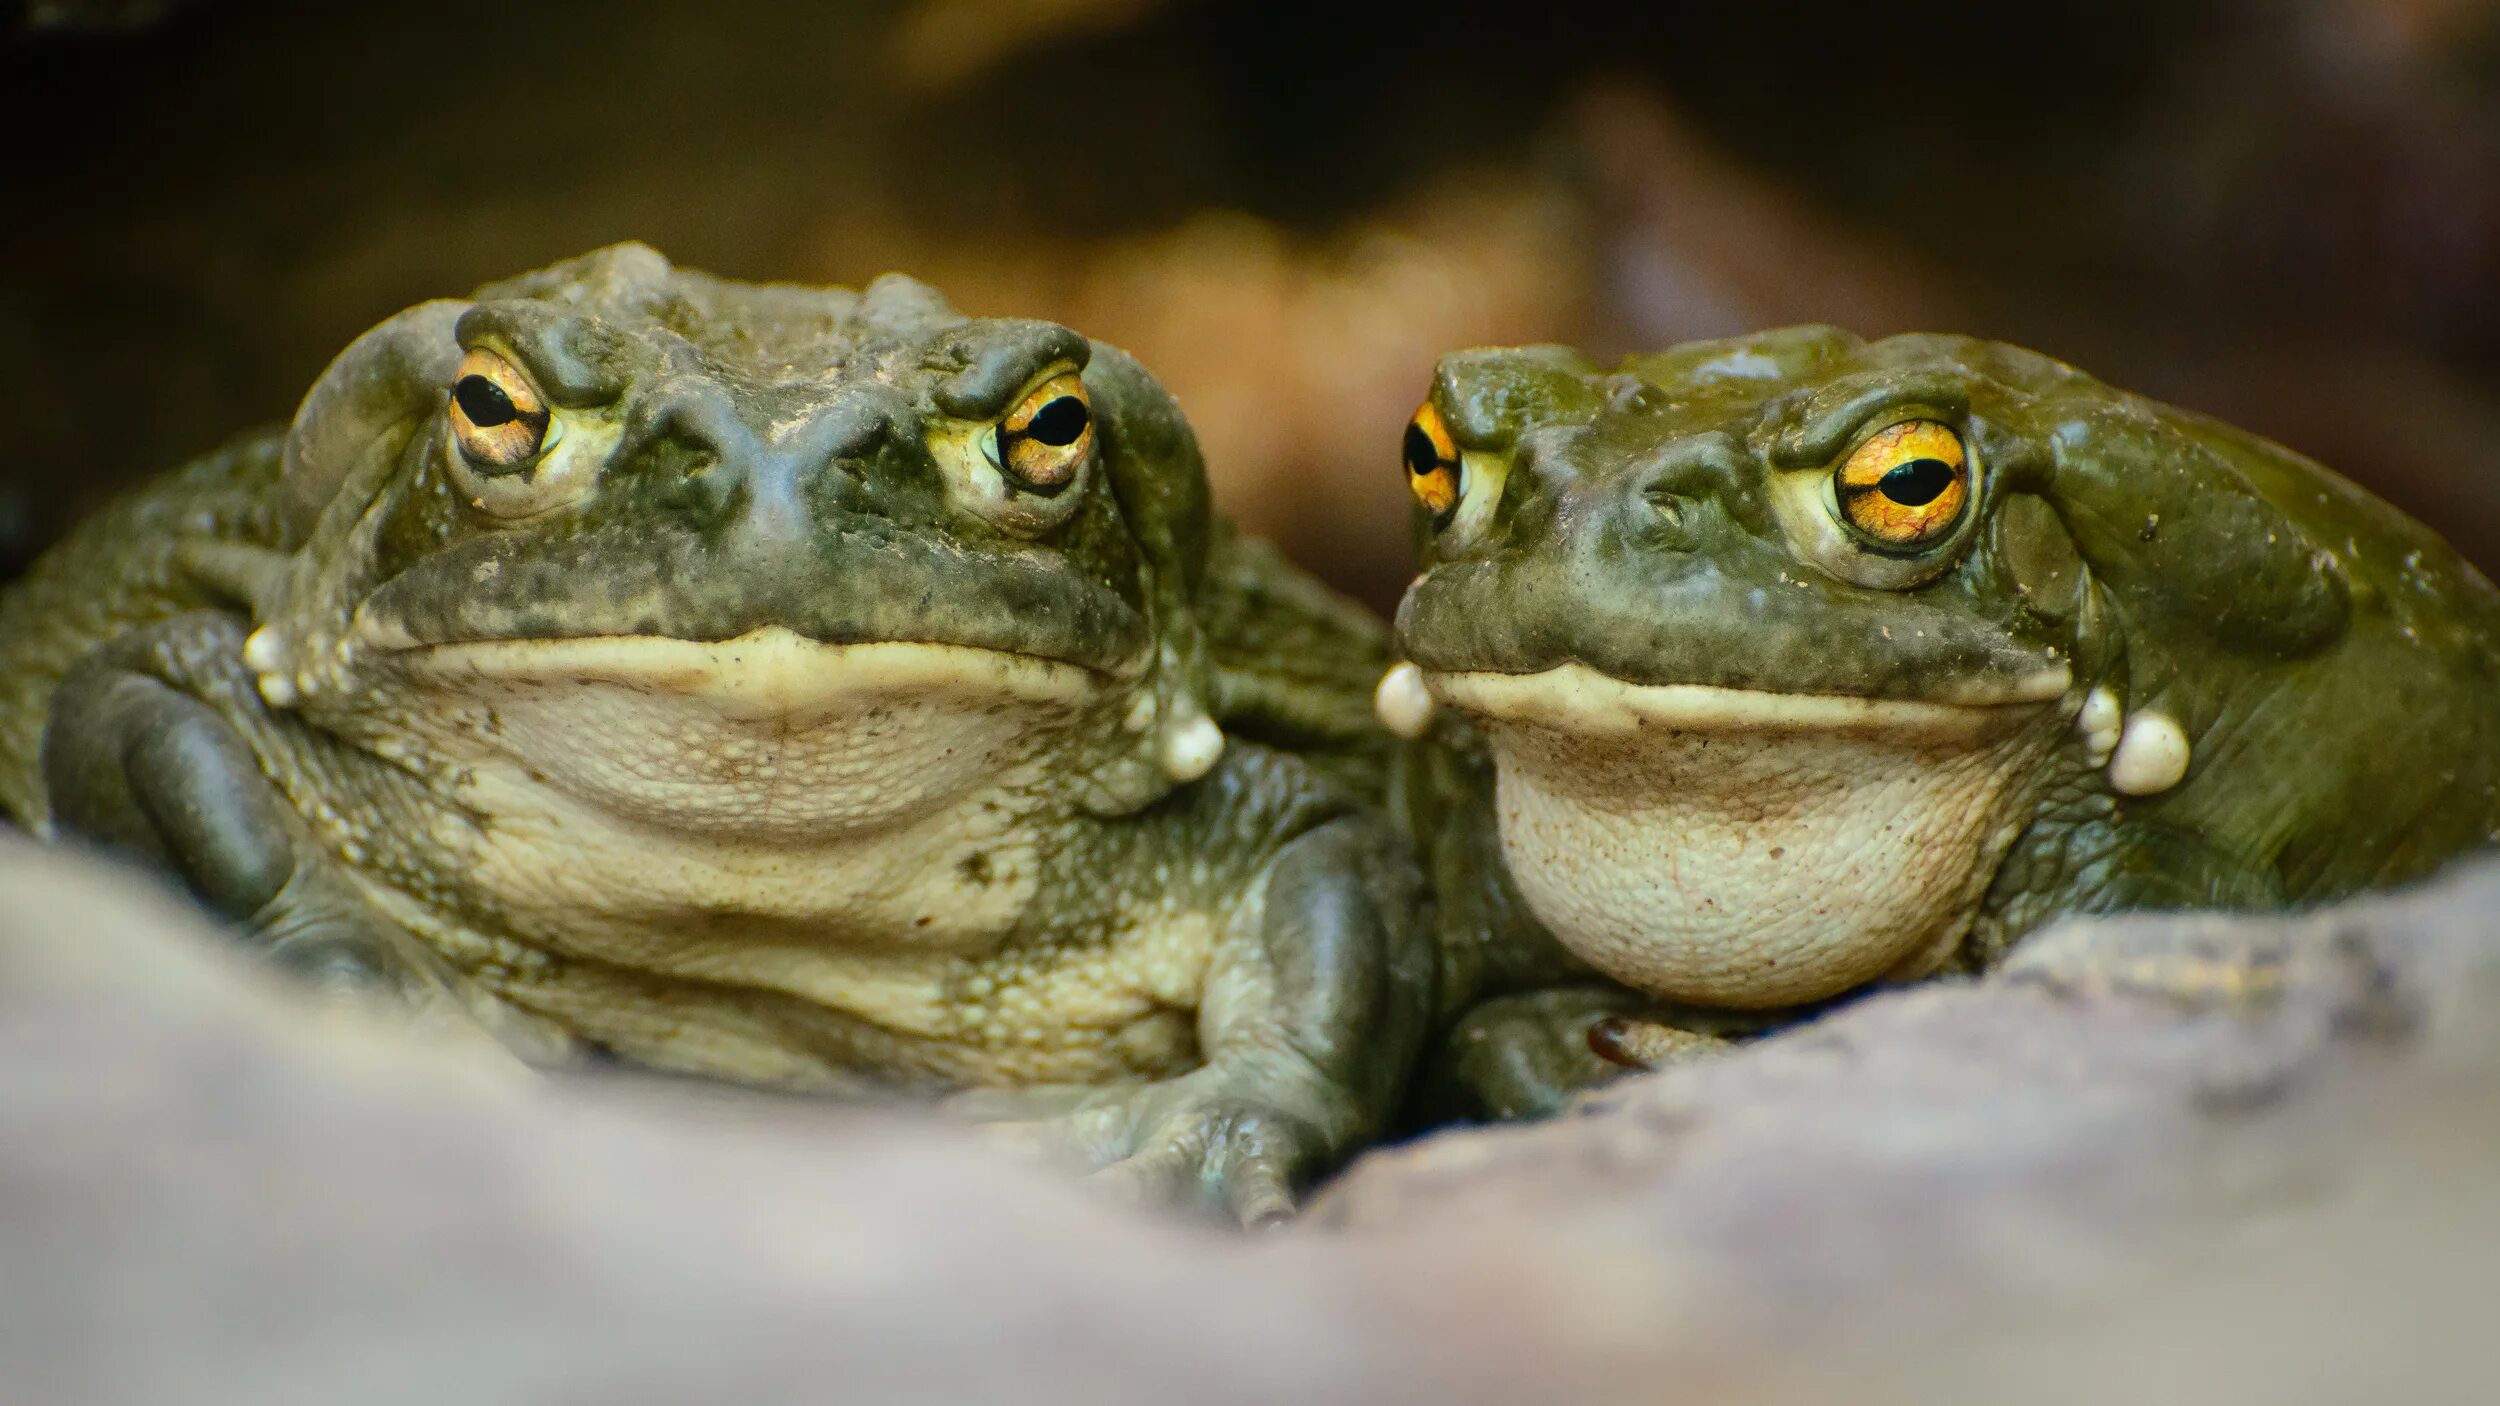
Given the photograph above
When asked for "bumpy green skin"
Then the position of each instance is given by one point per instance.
(771, 468)
(2330, 661)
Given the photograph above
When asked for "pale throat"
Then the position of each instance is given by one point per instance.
(617, 798)
(1753, 850)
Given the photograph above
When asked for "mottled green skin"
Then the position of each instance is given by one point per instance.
(773, 469)
(2331, 661)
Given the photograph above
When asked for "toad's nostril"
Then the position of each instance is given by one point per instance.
(1668, 495)
(698, 422)
(1663, 515)
(1666, 506)
(851, 429)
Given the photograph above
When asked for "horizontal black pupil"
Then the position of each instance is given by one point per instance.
(1058, 423)
(1421, 457)
(1917, 483)
(484, 402)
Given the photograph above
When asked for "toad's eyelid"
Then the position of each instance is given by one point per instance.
(573, 361)
(1901, 440)
(1837, 418)
(964, 398)
(1029, 396)
(1052, 372)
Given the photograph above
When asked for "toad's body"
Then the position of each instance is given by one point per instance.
(1783, 665)
(797, 686)
(794, 863)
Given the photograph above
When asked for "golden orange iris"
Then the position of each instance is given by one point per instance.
(1431, 462)
(1045, 438)
(1905, 486)
(497, 416)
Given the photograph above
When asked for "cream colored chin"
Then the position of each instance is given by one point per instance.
(769, 735)
(1746, 849)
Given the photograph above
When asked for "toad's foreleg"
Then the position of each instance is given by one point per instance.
(143, 758)
(1309, 1021)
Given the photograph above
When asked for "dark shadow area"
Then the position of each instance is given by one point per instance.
(2287, 214)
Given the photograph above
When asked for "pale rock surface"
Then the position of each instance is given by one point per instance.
(2068, 1183)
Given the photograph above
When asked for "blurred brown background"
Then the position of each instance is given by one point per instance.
(2286, 212)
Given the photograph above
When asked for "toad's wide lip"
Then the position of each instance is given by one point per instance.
(1578, 699)
(769, 672)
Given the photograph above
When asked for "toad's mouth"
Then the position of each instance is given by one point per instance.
(769, 673)
(766, 741)
(1577, 699)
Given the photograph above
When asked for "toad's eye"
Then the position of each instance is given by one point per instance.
(1432, 466)
(1044, 440)
(1906, 486)
(497, 417)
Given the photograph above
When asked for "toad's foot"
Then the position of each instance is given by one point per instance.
(1522, 1056)
(1530, 1054)
(1635, 1043)
(1237, 1138)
